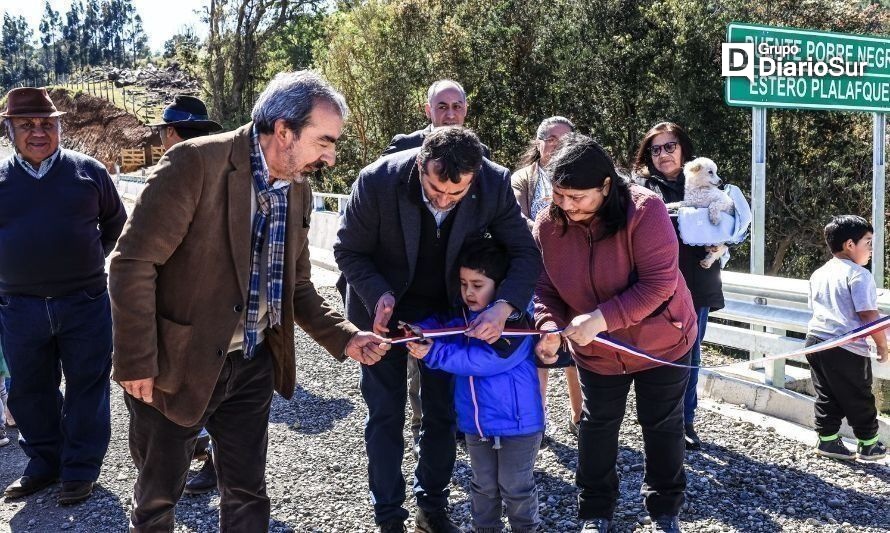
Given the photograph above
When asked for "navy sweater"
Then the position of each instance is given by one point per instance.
(56, 231)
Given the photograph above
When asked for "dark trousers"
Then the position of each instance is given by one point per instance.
(690, 399)
(384, 387)
(842, 381)
(659, 393)
(237, 419)
(44, 338)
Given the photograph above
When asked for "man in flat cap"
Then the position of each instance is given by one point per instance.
(186, 118)
(60, 215)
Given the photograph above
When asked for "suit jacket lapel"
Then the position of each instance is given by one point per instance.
(240, 187)
(410, 219)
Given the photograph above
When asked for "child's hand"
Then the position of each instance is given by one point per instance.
(882, 354)
(418, 350)
(547, 347)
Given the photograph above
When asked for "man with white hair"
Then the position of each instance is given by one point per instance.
(60, 215)
(446, 105)
(207, 281)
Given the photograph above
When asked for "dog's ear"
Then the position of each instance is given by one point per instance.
(693, 166)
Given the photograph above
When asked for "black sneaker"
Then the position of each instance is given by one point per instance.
(692, 440)
(597, 525)
(872, 452)
(667, 524)
(392, 526)
(204, 481)
(835, 449)
(435, 522)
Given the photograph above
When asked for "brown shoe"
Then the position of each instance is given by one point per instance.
(27, 485)
(75, 491)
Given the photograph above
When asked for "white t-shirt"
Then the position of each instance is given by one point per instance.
(838, 290)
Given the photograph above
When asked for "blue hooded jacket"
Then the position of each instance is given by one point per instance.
(496, 391)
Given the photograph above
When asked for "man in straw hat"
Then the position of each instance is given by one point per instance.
(186, 118)
(60, 215)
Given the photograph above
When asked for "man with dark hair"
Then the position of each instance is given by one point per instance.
(208, 352)
(60, 215)
(446, 105)
(186, 118)
(407, 219)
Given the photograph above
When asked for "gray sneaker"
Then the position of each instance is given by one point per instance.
(4, 438)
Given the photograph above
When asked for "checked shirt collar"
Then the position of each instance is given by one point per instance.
(269, 221)
(44, 166)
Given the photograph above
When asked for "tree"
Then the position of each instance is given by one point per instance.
(616, 67)
(50, 32)
(71, 35)
(237, 30)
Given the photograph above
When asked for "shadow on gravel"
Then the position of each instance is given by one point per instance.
(309, 414)
(740, 479)
(48, 516)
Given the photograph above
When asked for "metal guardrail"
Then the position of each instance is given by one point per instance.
(768, 309)
(323, 201)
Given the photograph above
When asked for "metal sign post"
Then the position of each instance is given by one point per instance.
(758, 189)
(878, 214)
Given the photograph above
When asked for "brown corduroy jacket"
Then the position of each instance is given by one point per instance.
(179, 277)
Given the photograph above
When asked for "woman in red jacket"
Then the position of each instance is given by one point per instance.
(610, 268)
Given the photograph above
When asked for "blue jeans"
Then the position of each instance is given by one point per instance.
(384, 388)
(42, 339)
(504, 475)
(690, 400)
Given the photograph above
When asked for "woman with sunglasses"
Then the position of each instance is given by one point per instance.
(610, 269)
(658, 166)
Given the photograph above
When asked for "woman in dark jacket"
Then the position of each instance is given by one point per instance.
(659, 167)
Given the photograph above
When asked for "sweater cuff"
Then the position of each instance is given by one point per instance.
(548, 324)
(611, 311)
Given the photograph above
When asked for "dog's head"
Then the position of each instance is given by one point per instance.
(701, 173)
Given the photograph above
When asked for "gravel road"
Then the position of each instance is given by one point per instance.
(748, 478)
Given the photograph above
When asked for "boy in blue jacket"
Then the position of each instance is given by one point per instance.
(496, 396)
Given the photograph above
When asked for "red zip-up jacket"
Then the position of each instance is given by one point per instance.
(628, 276)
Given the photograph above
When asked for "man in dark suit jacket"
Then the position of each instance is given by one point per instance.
(446, 105)
(407, 218)
(200, 338)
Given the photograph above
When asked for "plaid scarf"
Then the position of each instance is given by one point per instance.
(271, 214)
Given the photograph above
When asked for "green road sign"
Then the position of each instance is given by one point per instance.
(805, 69)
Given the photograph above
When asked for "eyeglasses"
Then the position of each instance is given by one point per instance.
(31, 127)
(670, 148)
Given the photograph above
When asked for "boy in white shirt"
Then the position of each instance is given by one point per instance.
(843, 297)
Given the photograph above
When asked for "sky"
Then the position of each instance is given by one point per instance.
(161, 19)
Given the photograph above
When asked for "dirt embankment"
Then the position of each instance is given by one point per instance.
(96, 127)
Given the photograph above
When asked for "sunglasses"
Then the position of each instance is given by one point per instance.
(670, 148)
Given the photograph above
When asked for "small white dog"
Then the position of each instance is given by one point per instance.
(702, 191)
